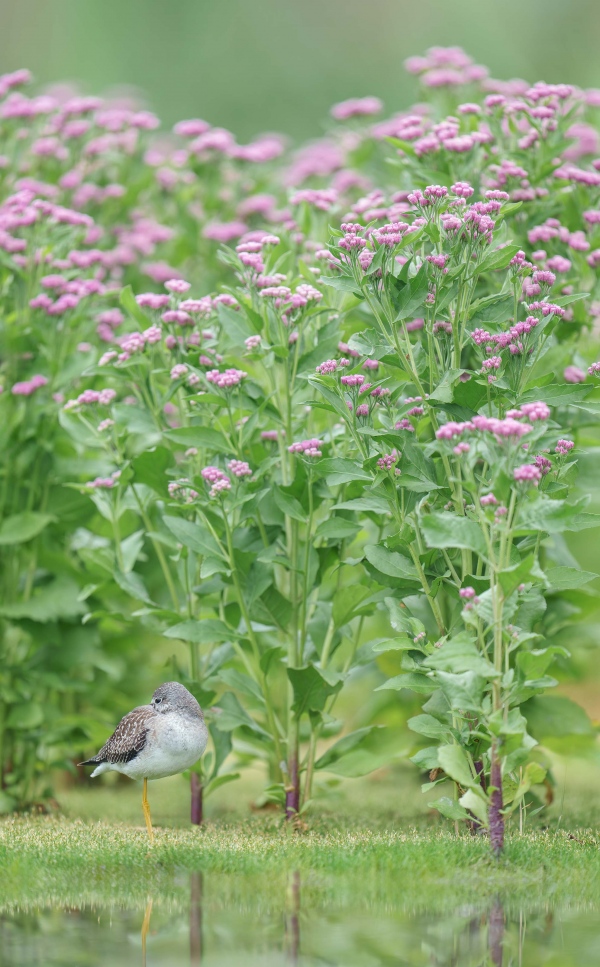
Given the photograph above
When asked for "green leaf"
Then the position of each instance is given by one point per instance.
(311, 689)
(459, 655)
(555, 716)
(363, 751)
(493, 308)
(127, 300)
(23, 527)
(273, 609)
(213, 784)
(222, 747)
(27, 715)
(454, 762)
(241, 682)
(339, 470)
(288, 505)
(533, 664)
(207, 631)
(568, 578)
(429, 726)
(202, 437)
(194, 536)
(132, 584)
(553, 516)
(426, 758)
(412, 681)
(338, 529)
(56, 600)
(511, 577)
(449, 808)
(377, 505)
(445, 530)
(497, 259)
(475, 801)
(556, 394)
(348, 603)
(234, 324)
(464, 691)
(390, 562)
(412, 296)
(232, 716)
(342, 283)
(150, 468)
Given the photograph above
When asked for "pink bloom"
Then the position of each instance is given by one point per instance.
(309, 448)
(30, 386)
(177, 285)
(178, 371)
(224, 231)
(227, 379)
(573, 374)
(527, 473)
(535, 411)
(356, 107)
(564, 446)
(178, 316)
(329, 366)
(388, 460)
(239, 468)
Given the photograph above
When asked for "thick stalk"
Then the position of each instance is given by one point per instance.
(196, 813)
(496, 817)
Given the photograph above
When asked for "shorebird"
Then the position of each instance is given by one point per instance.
(154, 741)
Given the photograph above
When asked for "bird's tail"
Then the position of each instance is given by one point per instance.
(94, 761)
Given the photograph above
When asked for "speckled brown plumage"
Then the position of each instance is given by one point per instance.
(128, 739)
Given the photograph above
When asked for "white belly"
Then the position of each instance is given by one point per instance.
(171, 747)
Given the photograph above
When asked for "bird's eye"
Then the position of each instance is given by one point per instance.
(157, 700)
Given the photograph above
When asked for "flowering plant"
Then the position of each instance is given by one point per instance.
(349, 416)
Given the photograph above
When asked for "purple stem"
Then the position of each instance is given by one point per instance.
(196, 806)
(292, 793)
(496, 817)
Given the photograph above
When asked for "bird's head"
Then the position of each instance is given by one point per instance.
(174, 697)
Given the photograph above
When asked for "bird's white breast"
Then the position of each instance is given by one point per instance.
(174, 743)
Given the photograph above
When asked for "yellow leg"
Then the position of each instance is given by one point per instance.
(146, 808)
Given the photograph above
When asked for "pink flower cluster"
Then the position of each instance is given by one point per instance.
(239, 468)
(219, 480)
(227, 379)
(28, 387)
(181, 490)
(322, 198)
(309, 448)
(389, 460)
(563, 447)
(528, 473)
(90, 397)
(356, 107)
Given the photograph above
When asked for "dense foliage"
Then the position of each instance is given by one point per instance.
(358, 453)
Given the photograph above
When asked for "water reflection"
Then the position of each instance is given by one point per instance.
(195, 920)
(292, 921)
(145, 929)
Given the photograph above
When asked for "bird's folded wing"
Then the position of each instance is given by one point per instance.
(129, 737)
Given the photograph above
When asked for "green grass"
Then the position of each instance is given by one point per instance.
(373, 838)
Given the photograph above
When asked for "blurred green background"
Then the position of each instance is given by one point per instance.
(259, 65)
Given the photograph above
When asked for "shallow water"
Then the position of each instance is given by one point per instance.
(307, 921)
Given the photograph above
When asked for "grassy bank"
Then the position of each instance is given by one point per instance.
(47, 861)
(372, 839)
